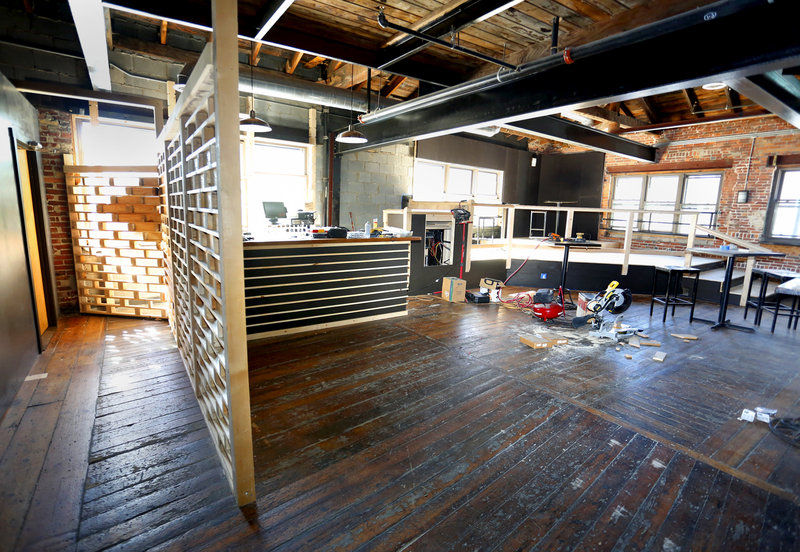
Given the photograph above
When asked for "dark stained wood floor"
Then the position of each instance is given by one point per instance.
(440, 431)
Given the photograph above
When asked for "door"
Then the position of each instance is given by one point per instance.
(34, 258)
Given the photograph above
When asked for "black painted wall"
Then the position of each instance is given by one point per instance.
(19, 345)
(428, 279)
(578, 178)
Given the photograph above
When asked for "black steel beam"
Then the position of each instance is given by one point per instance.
(268, 16)
(625, 67)
(778, 93)
(453, 21)
(562, 130)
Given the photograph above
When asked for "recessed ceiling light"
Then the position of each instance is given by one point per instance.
(714, 86)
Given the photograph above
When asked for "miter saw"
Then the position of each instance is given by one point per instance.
(605, 313)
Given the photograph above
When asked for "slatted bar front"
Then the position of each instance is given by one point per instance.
(305, 285)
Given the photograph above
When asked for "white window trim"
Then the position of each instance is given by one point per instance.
(639, 223)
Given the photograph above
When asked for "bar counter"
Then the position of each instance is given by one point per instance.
(299, 285)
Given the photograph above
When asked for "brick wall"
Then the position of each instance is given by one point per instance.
(56, 137)
(716, 142)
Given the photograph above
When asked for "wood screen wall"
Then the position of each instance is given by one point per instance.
(116, 236)
(200, 175)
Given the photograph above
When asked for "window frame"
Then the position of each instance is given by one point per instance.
(249, 174)
(777, 186)
(450, 196)
(78, 121)
(643, 227)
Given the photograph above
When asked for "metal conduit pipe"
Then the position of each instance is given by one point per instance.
(698, 15)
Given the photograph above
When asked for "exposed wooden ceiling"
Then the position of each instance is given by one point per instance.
(336, 41)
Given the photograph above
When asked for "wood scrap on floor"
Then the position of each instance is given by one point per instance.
(651, 343)
(629, 357)
(685, 337)
(642, 334)
(634, 341)
(553, 338)
(660, 356)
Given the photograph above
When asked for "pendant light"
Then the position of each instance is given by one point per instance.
(351, 135)
(253, 123)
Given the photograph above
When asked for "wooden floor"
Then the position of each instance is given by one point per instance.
(436, 431)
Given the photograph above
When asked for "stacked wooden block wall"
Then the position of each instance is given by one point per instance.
(116, 236)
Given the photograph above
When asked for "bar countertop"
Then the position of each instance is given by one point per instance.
(326, 241)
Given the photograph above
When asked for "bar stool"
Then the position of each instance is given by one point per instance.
(791, 289)
(674, 296)
(760, 301)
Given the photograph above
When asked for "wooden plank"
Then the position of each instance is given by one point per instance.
(234, 336)
(59, 489)
(21, 465)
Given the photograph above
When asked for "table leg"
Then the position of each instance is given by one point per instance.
(564, 266)
(722, 322)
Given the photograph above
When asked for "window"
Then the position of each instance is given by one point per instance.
(783, 215)
(659, 195)
(275, 172)
(114, 143)
(435, 181)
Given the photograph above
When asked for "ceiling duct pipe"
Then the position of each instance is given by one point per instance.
(277, 85)
(671, 24)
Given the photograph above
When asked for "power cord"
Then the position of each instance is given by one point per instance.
(786, 429)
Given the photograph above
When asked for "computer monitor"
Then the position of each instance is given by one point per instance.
(274, 210)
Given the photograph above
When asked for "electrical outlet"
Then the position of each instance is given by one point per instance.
(543, 276)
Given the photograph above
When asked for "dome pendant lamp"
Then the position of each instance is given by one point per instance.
(351, 135)
(253, 123)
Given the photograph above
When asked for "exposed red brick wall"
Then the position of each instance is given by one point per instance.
(741, 220)
(55, 131)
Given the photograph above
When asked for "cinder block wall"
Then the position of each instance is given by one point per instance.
(374, 180)
(731, 140)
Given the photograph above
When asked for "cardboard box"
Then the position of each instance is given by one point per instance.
(489, 284)
(453, 289)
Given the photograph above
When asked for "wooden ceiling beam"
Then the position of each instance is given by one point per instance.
(734, 100)
(313, 62)
(347, 76)
(694, 104)
(649, 110)
(692, 122)
(255, 53)
(163, 33)
(394, 83)
(432, 17)
(625, 109)
(291, 64)
(607, 115)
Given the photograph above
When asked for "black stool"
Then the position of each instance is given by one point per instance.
(791, 289)
(674, 295)
(760, 303)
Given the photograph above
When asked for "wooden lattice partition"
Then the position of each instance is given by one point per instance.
(116, 237)
(200, 175)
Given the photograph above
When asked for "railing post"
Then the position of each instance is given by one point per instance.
(627, 244)
(568, 223)
(470, 230)
(509, 234)
(687, 258)
(748, 275)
